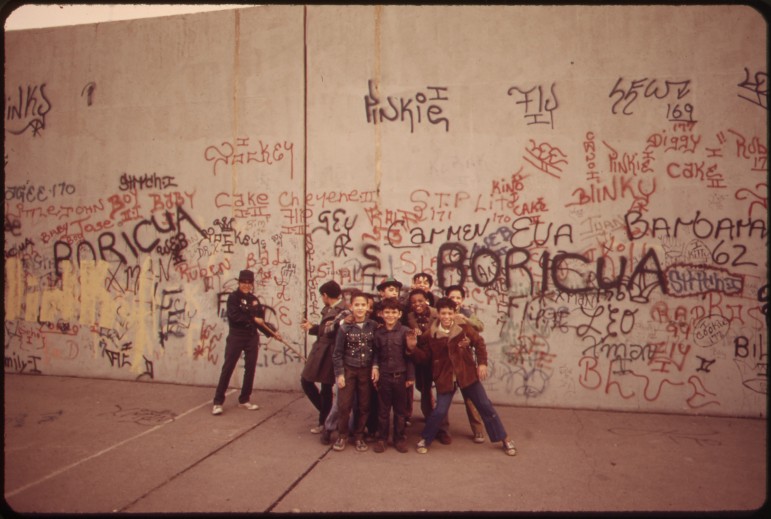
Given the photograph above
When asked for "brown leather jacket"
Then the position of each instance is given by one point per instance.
(447, 358)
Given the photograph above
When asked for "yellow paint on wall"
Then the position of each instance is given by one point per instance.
(143, 314)
(61, 303)
(14, 288)
(97, 305)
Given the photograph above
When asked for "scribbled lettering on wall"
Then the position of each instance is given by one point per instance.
(626, 93)
(243, 152)
(402, 109)
(174, 315)
(27, 110)
(536, 103)
(136, 243)
(245, 205)
(38, 193)
(145, 181)
(754, 88)
(545, 157)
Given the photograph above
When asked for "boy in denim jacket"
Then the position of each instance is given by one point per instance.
(352, 360)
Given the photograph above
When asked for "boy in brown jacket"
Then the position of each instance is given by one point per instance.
(446, 346)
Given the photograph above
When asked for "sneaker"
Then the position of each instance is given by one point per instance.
(248, 405)
(318, 429)
(509, 449)
(421, 447)
(479, 438)
(217, 409)
(340, 443)
(361, 446)
(380, 446)
(401, 446)
(444, 437)
(326, 437)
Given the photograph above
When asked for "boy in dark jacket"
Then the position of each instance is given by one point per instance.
(246, 316)
(352, 360)
(446, 346)
(393, 372)
(318, 367)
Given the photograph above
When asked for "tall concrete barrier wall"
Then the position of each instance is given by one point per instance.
(594, 176)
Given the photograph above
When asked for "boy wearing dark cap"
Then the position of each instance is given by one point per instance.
(245, 317)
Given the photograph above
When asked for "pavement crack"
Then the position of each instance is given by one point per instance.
(297, 481)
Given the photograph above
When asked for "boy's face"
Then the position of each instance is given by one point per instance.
(421, 282)
(456, 298)
(391, 316)
(446, 317)
(419, 303)
(359, 308)
(389, 291)
(245, 287)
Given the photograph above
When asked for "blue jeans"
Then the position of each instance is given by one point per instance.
(476, 393)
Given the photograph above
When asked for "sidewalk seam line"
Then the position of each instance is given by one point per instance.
(210, 454)
(103, 451)
(297, 481)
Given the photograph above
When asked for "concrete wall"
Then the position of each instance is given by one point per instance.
(596, 177)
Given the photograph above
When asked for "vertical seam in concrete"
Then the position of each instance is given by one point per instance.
(304, 204)
(378, 137)
(236, 71)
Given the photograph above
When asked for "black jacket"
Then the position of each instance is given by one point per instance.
(241, 311)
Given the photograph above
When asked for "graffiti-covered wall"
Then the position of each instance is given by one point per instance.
(594, 176)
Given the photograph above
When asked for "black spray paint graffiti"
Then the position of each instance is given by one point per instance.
(544, 104)
(653, 88)
(88, 90)
(486, 268)
(401, 108)
(106, 241)
(27, 110)
(757, 86)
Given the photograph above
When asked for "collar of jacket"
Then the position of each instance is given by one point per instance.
(455, 329)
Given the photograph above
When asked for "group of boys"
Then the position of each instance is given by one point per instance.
(374, 354)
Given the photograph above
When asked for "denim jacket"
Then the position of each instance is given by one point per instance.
(353, 346)
(390, 351)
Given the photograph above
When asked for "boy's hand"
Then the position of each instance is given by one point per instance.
(341, 381)
(350, 319)
(412, 339)
(409, 383)
(375, 374)
(482, 371)
(306, 325)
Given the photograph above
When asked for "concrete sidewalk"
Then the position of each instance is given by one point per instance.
(76, 445)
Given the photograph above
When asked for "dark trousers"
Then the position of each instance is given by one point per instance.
(392, 392)
(357, 382)
(235, 345)
(423, 381)
(321, 400)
